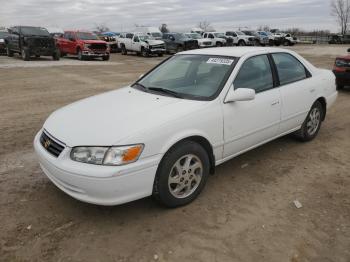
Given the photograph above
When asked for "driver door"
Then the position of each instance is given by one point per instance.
(250, 123)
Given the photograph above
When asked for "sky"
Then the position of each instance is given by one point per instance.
(180, 15)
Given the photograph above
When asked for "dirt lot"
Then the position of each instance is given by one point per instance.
(246, 212)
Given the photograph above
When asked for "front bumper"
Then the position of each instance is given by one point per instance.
(342, 78)
(157, 50)
(102, 185)
(94, 53)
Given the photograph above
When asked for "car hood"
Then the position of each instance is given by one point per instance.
(107, 119)
(154, 42)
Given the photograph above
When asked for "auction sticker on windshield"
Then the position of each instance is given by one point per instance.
(220, 61)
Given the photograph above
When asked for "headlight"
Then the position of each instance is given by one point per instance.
(87, 46)
(113, 156)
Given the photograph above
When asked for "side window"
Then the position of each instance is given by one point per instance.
(136, 39)
(205, 36)
(256, 74)
(211, 36)
(234, 34)
(129, 36)
(289, 68)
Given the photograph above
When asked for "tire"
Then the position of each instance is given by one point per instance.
(9, 52)
(340, 87)
(256, 43)
(25, 54)
(271, 42)
(312, 123)
(80, 55)
(179, 48)
(160, 55)
(218, 44)
(124, 51)
(144, 52)
(286, 43)
(187, 182)
(56, 55)
(241, 43)
(105, 58)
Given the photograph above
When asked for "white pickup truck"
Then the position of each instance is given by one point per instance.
(241, 39)
(140, 43)
(215, 37)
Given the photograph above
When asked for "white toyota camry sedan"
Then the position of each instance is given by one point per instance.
(164, 134)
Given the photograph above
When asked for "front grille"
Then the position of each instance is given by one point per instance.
(158, 46)
(51, 145)
(98, 47)
(43, 42)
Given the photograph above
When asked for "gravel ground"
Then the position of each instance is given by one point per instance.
(245, 213)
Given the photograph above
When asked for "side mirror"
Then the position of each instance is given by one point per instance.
(240, 94)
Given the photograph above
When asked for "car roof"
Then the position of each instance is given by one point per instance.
(234, 51)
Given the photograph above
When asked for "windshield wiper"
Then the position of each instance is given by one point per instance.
(165, 91)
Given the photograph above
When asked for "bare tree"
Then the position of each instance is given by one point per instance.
(102, 27)
(341, 10)
(164, 28)
(204, 25)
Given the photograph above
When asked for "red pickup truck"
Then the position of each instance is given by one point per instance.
(83, 44)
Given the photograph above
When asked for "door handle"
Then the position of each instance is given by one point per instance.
(275, 103)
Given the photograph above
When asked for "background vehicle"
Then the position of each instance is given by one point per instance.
(289, 40)
(197, 30)
(240, 39)
(202, 42)
(218, 38)
(177, 42)
(141, 43)
(339, 39)
(83, 44)
(341, 71)
(3, 35)
(31, 41)
(259, 39)
(154, 32)
(111, 39)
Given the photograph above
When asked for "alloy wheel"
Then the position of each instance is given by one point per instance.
(313, 121)
(185, 176)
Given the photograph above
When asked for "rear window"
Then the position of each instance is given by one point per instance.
(289, 68)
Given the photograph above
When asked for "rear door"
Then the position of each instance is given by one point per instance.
(250, 123)
(298, 90)
(135, 44)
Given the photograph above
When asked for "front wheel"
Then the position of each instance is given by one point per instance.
(312, 123)
(105, 58)
(218, 44)
(241, 43)
(124, 51)
(181, 175)
(80, 55)
(56, 55)
(144, 52)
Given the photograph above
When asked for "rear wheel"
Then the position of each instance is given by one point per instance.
(219, 44)
(312, 123)
(181, 175)
(105, 58)
(9, 52)
(25, 54)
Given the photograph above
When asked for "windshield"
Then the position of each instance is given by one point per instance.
(156, 34)
(262, 33)
(190, 76)
(34, 31)
(240, 33)
(3, 35)
(86, 36)
(144, 37)
(194, 36)
(219, 35)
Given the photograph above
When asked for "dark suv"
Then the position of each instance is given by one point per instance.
(31, 41)
(177, 42)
